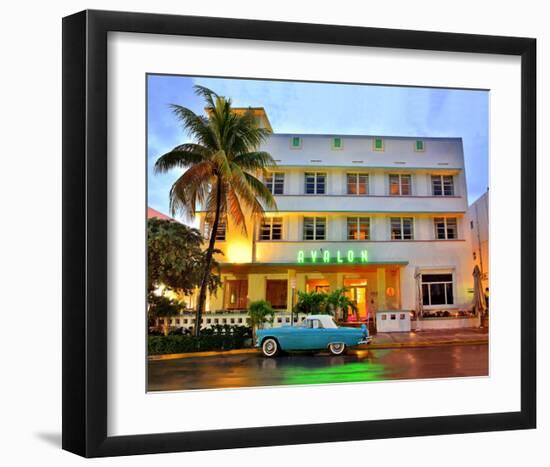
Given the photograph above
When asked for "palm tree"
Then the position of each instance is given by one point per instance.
(338, 300)
(259, 313)
(220, 171)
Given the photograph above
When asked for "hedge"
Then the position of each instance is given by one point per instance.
(158, 345)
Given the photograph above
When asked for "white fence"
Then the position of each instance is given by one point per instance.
(393, 321)
(231, 318)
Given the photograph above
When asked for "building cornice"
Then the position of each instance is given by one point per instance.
(396, 167)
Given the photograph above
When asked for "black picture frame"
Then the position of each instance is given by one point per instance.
(85, 199)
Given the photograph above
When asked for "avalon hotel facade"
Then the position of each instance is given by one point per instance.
(383, 216)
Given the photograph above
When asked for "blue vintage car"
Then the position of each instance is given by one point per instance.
(316, 332)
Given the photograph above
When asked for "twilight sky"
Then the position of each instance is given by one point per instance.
(294, 107)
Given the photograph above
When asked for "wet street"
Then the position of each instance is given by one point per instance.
(248, 370)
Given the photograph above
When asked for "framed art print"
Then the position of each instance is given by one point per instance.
(282, 233)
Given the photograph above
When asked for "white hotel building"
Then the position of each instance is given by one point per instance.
(364, 212)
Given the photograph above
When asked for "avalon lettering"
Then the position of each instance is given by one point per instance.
(339, 257)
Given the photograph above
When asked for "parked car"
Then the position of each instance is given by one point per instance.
(316, 332)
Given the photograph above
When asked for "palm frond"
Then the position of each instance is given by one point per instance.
(207, 94)
(191, 189)
(197, 125)
(261, 191)
(181, 156)
(235, 210)
(255, 161)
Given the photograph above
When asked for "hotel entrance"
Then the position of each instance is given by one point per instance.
(358, 293)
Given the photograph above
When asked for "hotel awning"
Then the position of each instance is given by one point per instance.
(246, 268)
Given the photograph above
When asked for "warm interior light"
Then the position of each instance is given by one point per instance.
(239, 252)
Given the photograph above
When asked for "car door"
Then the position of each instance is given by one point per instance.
(316, 335)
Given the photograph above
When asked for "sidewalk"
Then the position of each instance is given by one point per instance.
(465, 336)
(381, 340)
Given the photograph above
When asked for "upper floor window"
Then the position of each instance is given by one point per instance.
(378, 144)
(315, 183)
(445, 228)
(419, 145)
(400, 185)
(358, 184)
(220, 232)
(402, 228)
(295, 142)
(275, 183)
(437, 289)
(443, 185)
(358, 228)
(315, 228)
(271, 228)
(337, 143)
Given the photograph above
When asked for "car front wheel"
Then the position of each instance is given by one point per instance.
(337, 348)
(270, 347)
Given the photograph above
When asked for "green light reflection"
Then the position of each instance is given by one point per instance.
(344, 373)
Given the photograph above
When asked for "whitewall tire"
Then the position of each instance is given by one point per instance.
(270, 347)
(337, 348)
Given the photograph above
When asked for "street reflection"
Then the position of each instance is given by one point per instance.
(253, 370)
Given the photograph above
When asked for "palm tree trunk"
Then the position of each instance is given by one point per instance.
(208, 260)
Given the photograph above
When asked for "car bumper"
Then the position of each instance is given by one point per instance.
(365, 340)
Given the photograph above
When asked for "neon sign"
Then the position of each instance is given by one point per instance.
(315, 256)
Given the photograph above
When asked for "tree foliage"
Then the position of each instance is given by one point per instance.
(260, 312)
(175, 258)
(325, 303)
(311, 302)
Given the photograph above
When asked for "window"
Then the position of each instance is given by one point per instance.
(471, 225)
(337, 143)
(437, 289)
(315, 228)
(419, 145)
(271, 228)
(400, 185)
(275, 183)
(235, 294)
(378, 144)
(312, 324)
(220, 234)
(402, 228)
(276, 292)
(443, 185)
(296, 142)
(315, 183)
(358, 184)
(358, 228)
(445, 228)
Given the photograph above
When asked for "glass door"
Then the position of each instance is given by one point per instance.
(358, 294)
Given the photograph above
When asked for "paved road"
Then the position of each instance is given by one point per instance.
(370, 365)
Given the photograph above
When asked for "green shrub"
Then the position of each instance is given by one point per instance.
(158, 345)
